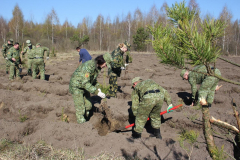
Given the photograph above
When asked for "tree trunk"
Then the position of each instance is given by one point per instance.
(207, 130)
(52, 33)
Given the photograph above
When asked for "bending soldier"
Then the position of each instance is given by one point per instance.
(30, 54)
(116, 67)
(38, 61)
(83, 82)
(5, 48)
(208, 84)
(147, 101)
(13, 56)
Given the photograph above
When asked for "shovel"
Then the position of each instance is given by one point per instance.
(131, 125)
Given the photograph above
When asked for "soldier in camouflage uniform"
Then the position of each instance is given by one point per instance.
(38, 61)
(128, 56)
(30, 54)
(5, 48)
(117, 65)
(13, 56)
(147, 101)
(208, 84)
(83, 82)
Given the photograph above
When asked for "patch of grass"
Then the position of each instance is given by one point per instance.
(104, 155)
(5, 145)
(40, 150)
(193, 117)
(22, 118)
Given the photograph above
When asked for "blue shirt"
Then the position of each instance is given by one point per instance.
(84, 55)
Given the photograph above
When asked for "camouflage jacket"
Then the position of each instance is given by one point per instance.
(5, 48)
(30, 52)
(39, 52)
(144, 86)
(196, 77)
(14, 53)
(117, 62)
(85, 77)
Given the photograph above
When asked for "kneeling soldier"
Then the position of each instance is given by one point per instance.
(147, 101)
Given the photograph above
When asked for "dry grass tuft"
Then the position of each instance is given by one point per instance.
(41, 150)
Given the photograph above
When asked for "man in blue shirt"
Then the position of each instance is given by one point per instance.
(84, 55)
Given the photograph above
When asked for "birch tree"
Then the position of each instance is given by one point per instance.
(16, 23)
(226, 17)
(54, 21)
(129, 25)
(3, 29)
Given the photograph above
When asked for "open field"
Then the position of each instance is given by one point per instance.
(33, 111)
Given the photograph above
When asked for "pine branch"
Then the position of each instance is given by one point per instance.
(229, 61)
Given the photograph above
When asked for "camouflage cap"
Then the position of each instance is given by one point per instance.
(136, 79)
(38, 44)
(128, 45)
(107, 57)
(11, 41)
(28, 41)
(183, 72)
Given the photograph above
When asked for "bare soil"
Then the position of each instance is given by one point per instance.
(41, 104)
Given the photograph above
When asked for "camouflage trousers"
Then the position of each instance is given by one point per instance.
(113, 85)
(82, 103)
(207, 88)
(38, 65)
(150, 106)
(14, 71)
(30, 64)
(8, 63)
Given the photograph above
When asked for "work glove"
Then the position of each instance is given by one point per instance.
(125, 64)
(6, 58)
(122, 68)
(101, 94)
(202, 101)
(169, 107)
(47, 58)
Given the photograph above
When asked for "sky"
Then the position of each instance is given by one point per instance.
(75, 10)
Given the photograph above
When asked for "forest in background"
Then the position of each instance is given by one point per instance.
(104, 34)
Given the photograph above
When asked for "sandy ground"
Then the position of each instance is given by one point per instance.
(44, 102)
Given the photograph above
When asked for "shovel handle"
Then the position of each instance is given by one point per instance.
(163, 112)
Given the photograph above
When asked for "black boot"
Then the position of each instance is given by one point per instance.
(29, 72)
(209, 105)
(205, 106)
(136, 135)
(6, 72)
(157, 133)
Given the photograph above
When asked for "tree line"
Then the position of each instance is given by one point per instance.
(104, 34)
